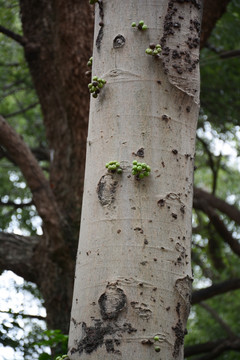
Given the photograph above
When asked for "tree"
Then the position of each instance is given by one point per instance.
(57, 49)
(133, 275)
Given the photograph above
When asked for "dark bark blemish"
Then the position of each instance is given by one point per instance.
(99, 38)
(174, 151)
(93, 337)
(166, 118)
(138, 229)
(112, 302)
(109, 345)
(174, 216)
(106, 189)
(119, 41)
(161, 202)
(147, 342)
(141, 309)
(179, 337)
(139, 153)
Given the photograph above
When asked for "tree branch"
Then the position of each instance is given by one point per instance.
(18, 38)
(212, 11)
(31, 106)
(16, 254)
(215, 289)
(221, 322)
(215, 348)
(15, 205)
(24, 316)
(230, 210)
(43, 197)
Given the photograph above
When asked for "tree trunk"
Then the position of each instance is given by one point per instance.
(57, 47)
(133, 274)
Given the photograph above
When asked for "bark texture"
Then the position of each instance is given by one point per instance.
(133, 275)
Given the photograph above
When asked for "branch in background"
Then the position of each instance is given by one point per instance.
(15, 205)
(10, 64)
(41, 154)
(215, 289)
(207, 272)
(230, 210)
(229, 54)
(215, 348)
(16, 254)
(221, 322)
(23, 316)
(43, 197)
(214, 166)
(21, 111)
(18, 38)
(212, 11)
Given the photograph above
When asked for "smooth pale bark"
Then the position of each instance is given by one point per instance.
(133, 272)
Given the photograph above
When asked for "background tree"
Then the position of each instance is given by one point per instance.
(57, 44)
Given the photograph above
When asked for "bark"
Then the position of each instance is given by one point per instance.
(133, 274)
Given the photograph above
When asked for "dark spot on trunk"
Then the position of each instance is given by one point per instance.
(140, 152)
(119, 41)
(179, 338)
(112, 302)
(99, 38)
(174, 151)
(161, 202)
(106, 189)
(147, 342)
(109, 345)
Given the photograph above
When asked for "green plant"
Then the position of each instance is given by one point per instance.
(96, 85)
(92, 2)
(114, 166)
(153, 50)
(140, 26)
(140, 170)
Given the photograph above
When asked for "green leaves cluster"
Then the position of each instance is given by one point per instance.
(92, 2)
(140, 170)
(96, 85)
